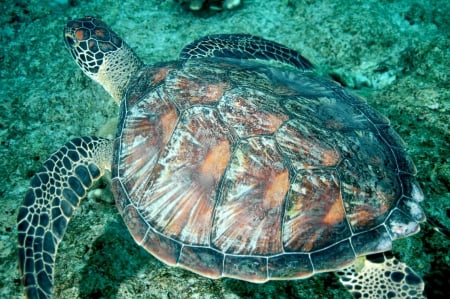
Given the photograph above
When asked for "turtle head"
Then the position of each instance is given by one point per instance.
(101, 54)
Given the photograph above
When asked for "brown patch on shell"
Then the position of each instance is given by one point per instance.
(180, 201)
(305, 147)
(190, 89)
(149, 78)
(315, 215)
(216, 161)
(146, 132)
(254, 114)
(335, 213)
(247, 218)
(369, 180)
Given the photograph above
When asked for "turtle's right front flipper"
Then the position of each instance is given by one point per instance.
(55, 191)
(243, 46)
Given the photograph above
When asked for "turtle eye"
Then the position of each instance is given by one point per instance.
(70, 41)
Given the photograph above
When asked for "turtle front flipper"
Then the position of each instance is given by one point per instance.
(243, 46)
(381, 276)
(55, 191)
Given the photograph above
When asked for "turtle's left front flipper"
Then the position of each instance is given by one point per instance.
(379, 276)
(55, 191)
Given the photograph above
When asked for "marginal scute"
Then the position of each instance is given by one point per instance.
(290, 265)
(412, 208)
(202, 260)
(391, 137)
(135, 223)
(162, 247)
(334, 257)
(372, 241)
(401, 225)
(250, 268)
(410, 187)
(404, 162)
(373, 116)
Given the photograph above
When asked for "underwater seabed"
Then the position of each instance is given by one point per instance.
(393, 53)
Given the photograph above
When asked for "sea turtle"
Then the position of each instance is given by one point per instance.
(230, 166)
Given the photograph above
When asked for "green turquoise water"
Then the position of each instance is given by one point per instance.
(394, 53)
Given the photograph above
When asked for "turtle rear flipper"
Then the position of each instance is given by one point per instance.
(381, 276)
(55, 191)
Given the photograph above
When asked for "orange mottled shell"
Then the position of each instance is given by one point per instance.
(238, 169)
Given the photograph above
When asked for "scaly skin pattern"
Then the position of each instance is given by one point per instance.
(55, 191)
